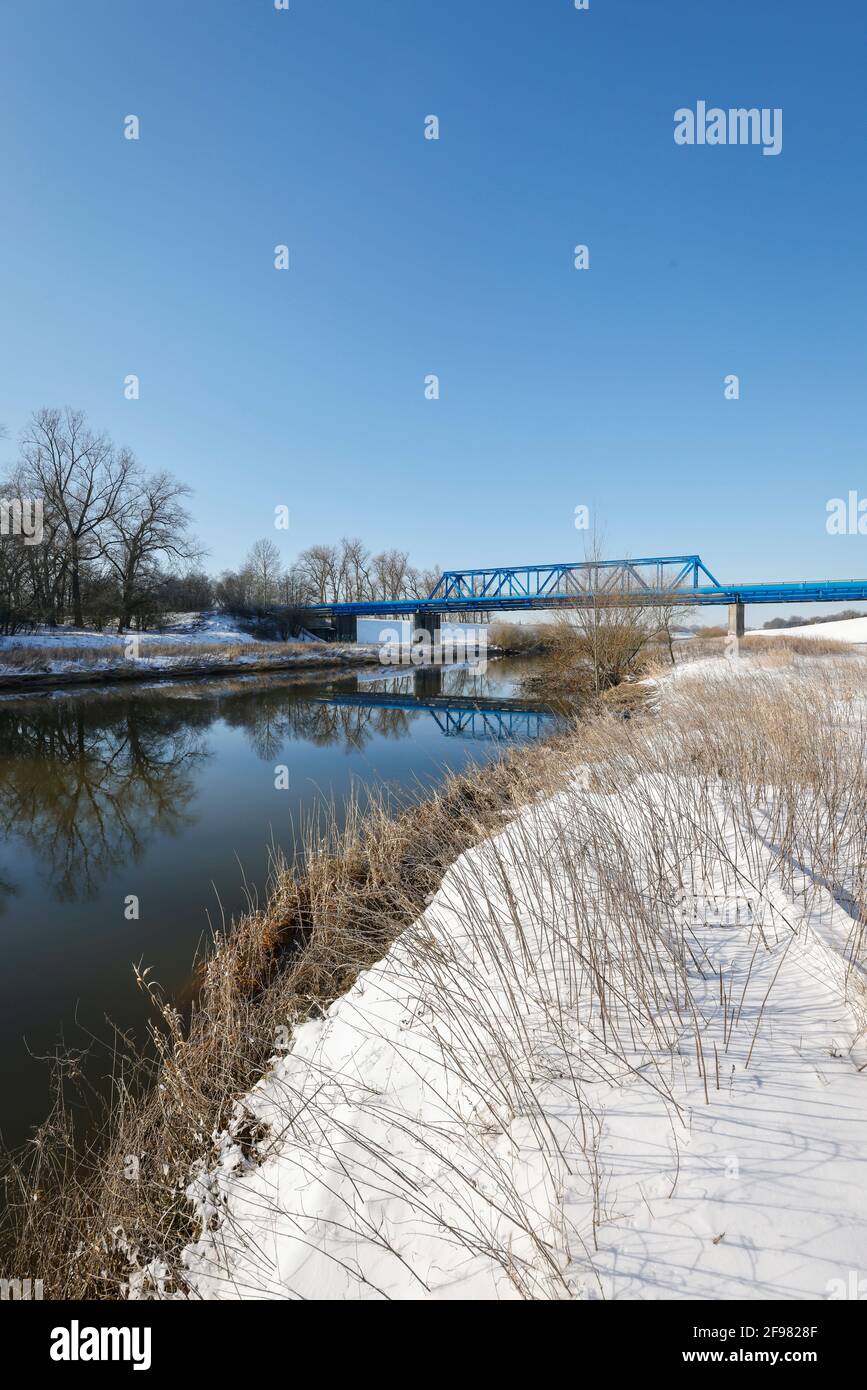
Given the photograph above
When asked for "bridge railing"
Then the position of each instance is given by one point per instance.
(579, 580)
(657, 579)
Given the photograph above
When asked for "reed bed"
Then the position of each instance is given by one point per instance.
(555, 963)
(25, 657)
(556, 966)
(77, 1212)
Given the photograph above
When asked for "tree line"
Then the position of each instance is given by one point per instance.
(345, 572)
(115, 546)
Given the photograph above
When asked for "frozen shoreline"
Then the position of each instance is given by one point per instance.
(207, 644)
(180, 668)
(523, 1099)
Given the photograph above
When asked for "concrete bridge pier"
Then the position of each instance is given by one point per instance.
(427, 680)
(426, 621)
(736, 620)
(347, 627)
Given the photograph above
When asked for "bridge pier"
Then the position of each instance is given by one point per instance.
(427, 681)
(736, 620)
(426, 621)
(664, 579)
(347, 627)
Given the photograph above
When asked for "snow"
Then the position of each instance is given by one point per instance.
(381, 630)
(399, 631)
(112, 651)
(206, 629)
(463, 1124)
(841, 630)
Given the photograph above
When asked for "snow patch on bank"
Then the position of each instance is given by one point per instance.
(464, 1124)
(73, 651)
(841, 630)
(205, 629)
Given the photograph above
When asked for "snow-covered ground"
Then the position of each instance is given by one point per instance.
(570, 1079)
(841, 630)
(207, 629)
(71, 651)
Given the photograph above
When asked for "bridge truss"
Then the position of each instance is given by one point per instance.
(656, 579)
(457, 716)
(584, 580)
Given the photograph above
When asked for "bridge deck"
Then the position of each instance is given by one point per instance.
(476, 719)
(683, 580)
(394, 700)
(809, 591)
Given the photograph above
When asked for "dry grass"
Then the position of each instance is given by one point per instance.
(591, 939)
(520, 638)
(564, 969)
(768, 652)
(73, 1216)
(797, 646)
(29, 658)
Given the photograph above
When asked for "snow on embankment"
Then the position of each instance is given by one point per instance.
(189, 644)
(613, 1059)
(841, 630)
(185, 629)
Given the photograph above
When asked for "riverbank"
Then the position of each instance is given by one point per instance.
(177, 792)
(620, 1054)
(189, 646)
(360, 886)
(34, 664)
(556, 1067)
(309, 658)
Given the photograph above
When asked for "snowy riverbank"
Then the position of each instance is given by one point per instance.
(192, 645)
(617, 1057)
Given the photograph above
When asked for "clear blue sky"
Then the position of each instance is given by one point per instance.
(454, 257)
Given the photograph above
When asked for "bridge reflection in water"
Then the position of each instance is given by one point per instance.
(478, 724)
(467, 716)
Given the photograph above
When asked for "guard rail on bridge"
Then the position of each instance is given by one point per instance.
(671, 580)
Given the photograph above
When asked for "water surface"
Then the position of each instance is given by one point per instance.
(172, 794)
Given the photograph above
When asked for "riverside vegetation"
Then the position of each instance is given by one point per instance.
(81, 1215)
(88, 1218)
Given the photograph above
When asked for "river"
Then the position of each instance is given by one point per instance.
(171, 795)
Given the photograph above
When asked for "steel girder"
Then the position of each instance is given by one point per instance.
(680, 579)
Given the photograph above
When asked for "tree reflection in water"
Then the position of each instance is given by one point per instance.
(86, 781)
(271, 723)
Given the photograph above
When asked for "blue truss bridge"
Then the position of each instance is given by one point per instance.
(462, 716)
(656, 579)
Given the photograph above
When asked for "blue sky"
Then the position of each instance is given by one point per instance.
(453, 257)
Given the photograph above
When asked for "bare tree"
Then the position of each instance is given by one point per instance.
(354, 580)
(148, 524)
(294, 589)
(234, 590)
(81, 477)
(265, 564)
(421, 583)
(389, 574)
(606, 630)
(666, 615)
(320, 567)
(44, 567)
